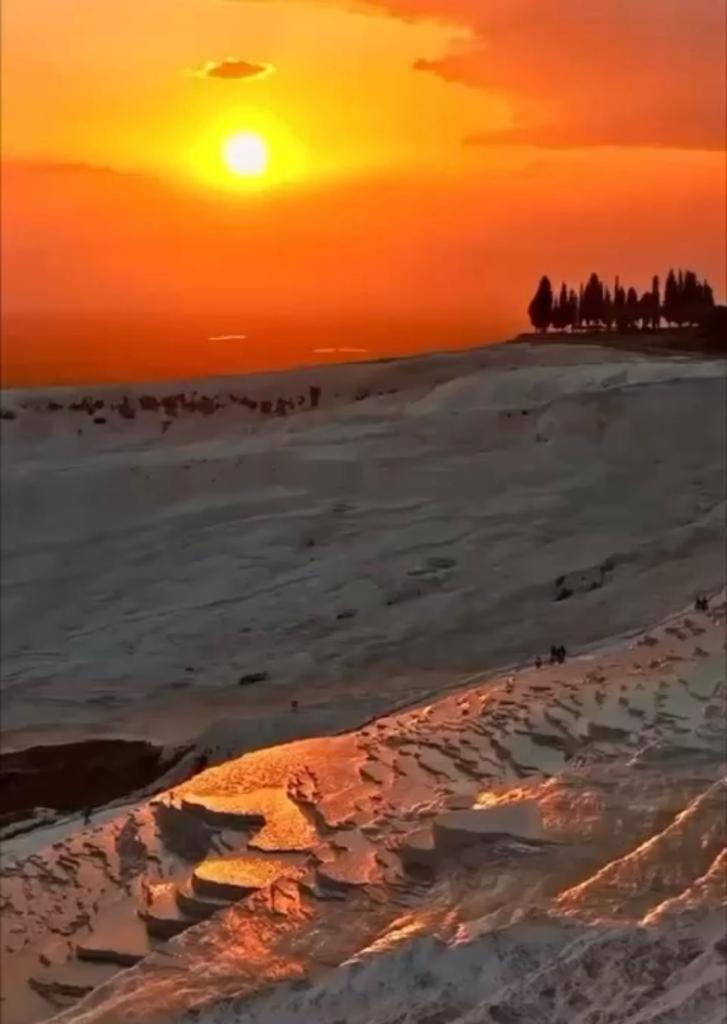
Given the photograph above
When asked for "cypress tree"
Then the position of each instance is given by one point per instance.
(560, 310)
(619, 306)
(646, 309)
(540, 309)
(555, 316)
(632, 307)
(572, 310)
(655, 303)
(594, 291)
(671, 299)
(607, 309)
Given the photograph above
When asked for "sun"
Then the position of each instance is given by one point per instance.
(246, 154)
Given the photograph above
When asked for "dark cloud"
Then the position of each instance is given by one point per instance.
(232, 69)
(576, 73)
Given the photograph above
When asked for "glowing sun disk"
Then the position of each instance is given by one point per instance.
(246, 154)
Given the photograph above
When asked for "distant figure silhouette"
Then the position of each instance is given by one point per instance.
(553, 655)
(294, 705)
(561, 654)
(538, 662)
(701, 604)
(88, 811)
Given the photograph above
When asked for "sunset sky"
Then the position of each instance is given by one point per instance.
(415, 165)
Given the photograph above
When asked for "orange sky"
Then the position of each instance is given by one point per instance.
(428, 160)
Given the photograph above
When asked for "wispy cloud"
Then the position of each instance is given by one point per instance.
(233, 69)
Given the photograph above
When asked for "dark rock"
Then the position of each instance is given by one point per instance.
(126, 409)
(252, 677)
(502, 1015)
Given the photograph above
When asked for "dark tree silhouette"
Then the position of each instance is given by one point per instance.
(671, 298)
(555, 317)
(687, 302)
(646, 311)
(608, 310)
(540, 309)
(563, 304)
(655, 303)
(619, 307)
(561, 312)
(592, 304)
(573, 310)
(632, 307)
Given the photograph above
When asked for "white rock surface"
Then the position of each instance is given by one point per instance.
(468, 496)
(144, 573)
(456, 829)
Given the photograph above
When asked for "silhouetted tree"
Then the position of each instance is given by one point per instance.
(671, 298)
(619, 306)
(687, 301)
(608, 310)
(690, 298)
(573, 310)
(632, 308)
(592, 305)
(560, 314)
(646, 309)
(563, 300)
(540, 309)
(655, 303)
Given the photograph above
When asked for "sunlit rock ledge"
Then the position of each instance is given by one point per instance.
(540, 845)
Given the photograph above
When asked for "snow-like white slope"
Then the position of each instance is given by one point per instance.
(356, 551)
(547, 845)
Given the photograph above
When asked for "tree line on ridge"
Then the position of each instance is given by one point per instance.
(686, 302)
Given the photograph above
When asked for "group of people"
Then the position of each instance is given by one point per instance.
(557, 656)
